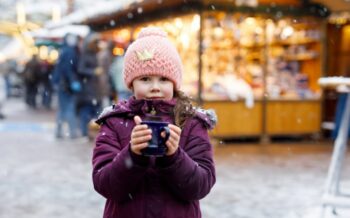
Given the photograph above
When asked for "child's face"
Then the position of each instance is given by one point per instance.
(153, 88)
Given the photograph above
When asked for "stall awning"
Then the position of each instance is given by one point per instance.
(143, 11)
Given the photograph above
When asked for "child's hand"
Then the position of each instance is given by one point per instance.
(140, 136)
(173, 142)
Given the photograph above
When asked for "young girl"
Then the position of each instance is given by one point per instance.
(137, 186)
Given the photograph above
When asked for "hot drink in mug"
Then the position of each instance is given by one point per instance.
(156, 146)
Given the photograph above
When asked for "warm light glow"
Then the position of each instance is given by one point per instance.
(287, 32)
(178, 23)
(250, 21)
(118, 51)
(122, 35)
(21, 14)
(171, 28)
(35, 50)
(249, 3)
(56, 14)
(218, 32)
(346, 37)
(185, 40)
(43, 52)
(2, 58)
(53, 55)
(196, 22)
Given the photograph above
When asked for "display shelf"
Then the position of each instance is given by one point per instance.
(253, 45)
(296, 42)
(301, 57)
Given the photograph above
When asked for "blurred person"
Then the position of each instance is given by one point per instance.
(9, 76)
(31, 76)
(2, 95)
(116, 72)
(105, 58)
(64, 79)
(16, 79)
(89, 101)
(169, 185)
(45, 83)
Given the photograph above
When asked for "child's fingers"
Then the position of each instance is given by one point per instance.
(140, 146)
(176, 129)
(172, 142)
(140, 127)
(141, 139)
(171, 147)
(173, 135)
(163, 134)
(137, 120)
(137, 148)
(141, 132)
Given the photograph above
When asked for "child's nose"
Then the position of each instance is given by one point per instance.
(155, 86)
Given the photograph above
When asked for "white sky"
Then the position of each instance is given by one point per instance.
(8, 7)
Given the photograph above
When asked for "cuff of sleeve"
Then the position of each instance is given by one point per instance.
(166, 161)
(139, 159)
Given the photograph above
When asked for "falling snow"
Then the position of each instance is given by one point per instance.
(128, 163)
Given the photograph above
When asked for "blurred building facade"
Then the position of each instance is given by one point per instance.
(255, 62)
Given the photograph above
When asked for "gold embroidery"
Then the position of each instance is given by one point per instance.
(145, 55)
(153, 111)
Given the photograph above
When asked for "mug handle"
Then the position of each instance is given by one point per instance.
(167, 133)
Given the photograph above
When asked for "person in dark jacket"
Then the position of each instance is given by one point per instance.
(31, 80)
(64, 79)
(46, 93)
(140, 186)
(89, 100)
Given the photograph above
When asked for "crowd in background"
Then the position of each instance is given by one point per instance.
(85, 78)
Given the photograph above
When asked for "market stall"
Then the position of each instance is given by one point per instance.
(256, 66)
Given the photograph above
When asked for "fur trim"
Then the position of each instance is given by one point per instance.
(209, 116)
(106, 111)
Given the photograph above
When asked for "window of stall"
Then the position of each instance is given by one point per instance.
(245, 57)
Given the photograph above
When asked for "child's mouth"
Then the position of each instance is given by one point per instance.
(155, 98)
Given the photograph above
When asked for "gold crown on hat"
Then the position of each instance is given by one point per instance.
(145, 55)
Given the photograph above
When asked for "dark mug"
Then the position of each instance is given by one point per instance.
(156, 146)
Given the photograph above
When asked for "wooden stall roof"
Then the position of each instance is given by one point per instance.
(149, 10)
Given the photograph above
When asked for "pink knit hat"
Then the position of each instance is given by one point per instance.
(152, 54)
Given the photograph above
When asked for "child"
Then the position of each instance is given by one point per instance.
(142, 186)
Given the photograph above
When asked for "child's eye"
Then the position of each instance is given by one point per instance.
(145, 78)
(164, 79)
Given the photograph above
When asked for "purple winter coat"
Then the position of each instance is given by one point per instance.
(140, 187)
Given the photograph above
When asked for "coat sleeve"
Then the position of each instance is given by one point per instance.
(190, 172)
(87, 66)
(115, 174)
(70, 66)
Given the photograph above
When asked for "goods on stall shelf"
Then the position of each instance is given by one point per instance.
(285, 51)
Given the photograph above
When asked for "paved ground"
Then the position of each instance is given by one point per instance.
(41, 177)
